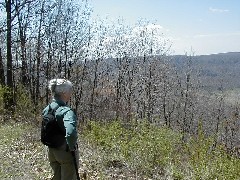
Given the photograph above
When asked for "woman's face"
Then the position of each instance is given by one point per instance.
(66, 96)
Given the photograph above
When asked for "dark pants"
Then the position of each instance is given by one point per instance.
(62, 164)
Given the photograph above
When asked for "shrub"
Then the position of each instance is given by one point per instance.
(24, 108)
(145, 147)
(2, 90)
(24, 105)
(206, 162)
(159, 152)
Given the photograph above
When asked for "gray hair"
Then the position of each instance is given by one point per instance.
(59, 86)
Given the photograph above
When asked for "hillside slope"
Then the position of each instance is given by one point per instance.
(215, 71)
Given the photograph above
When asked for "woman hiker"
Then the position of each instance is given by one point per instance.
(64, 155)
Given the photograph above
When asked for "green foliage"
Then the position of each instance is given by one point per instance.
(24, 104)
(6, 100)
(157, 152)
(150, 147)
(1, 100)
(150, 151)
(24, 107)
(208, 162)
(144, 147)
(101, 135)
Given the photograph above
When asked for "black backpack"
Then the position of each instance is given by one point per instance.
(51, 133)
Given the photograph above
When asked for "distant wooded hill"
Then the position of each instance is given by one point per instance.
(216, 71)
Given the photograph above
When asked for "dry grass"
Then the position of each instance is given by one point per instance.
(22, 156)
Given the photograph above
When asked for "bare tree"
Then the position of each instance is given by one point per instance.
(9, 99)
(22, 9)
(2, 75)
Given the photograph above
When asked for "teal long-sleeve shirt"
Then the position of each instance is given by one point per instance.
(67, 120)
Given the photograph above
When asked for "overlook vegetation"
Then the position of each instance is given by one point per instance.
(112, 151)
(144, 114)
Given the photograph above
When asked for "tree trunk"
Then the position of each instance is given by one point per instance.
(48, 70)
(95, 82)
(22, 36)
(38, 56)
(2, 76)
(8, 97)
(149, 95)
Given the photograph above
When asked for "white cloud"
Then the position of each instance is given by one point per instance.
(216, 10)
(211, 43)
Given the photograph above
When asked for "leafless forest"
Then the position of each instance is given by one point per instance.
(119, 72)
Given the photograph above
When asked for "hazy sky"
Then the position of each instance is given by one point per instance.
(205, 26)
